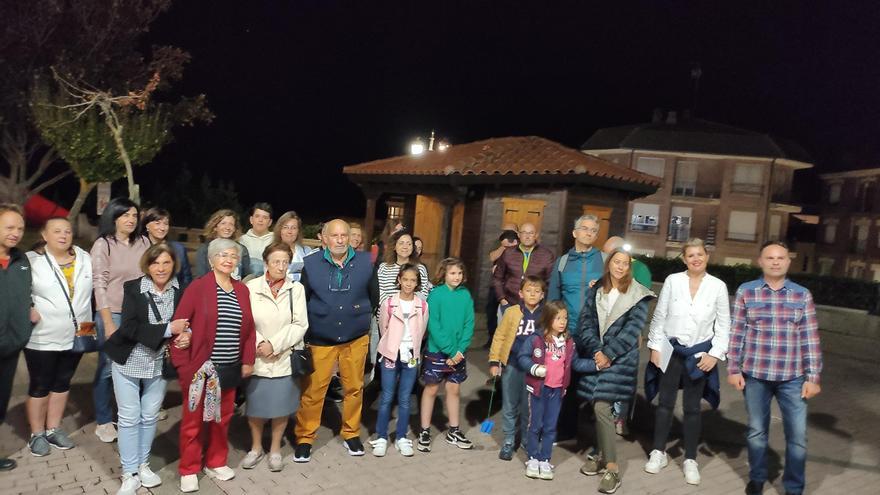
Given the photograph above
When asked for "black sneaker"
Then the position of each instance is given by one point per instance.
(755, 488)
(354, 446)
(7, 464)
(424, 444)
(334, 395)
(302, 453)
(455, 437)
(506, 453)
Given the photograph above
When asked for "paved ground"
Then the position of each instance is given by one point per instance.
(844, 448)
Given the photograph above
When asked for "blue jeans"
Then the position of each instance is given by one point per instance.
(758, 394)
(403, 378)
(138, 415)
(103, 385)
(514, 405)
(543, 413)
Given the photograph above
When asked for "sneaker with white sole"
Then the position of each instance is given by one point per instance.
(533, 469)
(455, 437)
(38, 445)
(251, 459)
(222, 473)
(691, 472)
(380, 445)
(302, 453)
(354, 446)
(189, 483)
(130, 484)
(276, 463)
(59, 439)
(656, 461)
(148, 478)
(424, 444)
(545, 470)
(106, 432)
(404, 446)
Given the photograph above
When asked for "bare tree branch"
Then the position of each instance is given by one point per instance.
(49, 182)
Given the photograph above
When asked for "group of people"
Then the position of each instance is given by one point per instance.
(256, 303)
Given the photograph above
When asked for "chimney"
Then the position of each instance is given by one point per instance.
(671, 118)
(657, 117)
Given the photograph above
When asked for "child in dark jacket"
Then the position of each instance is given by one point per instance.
(549, 355)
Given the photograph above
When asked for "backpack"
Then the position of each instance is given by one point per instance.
(563, 260)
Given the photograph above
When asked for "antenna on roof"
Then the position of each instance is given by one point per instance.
(696, 74)
(431, 141)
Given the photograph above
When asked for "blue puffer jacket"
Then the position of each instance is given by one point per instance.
(339, 303)
(572, 284)
(619, 342)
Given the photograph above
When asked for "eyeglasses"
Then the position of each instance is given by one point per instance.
(589, 230)
(279, 263)
(228, 256)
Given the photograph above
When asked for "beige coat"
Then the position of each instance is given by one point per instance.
(275, 324)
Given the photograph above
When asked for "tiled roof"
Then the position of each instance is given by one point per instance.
(696, 136)
(527, 155)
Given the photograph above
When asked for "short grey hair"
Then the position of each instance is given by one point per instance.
(219, 245)
(694, 242)
(592, 218)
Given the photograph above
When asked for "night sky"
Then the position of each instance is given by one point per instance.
(303, 88)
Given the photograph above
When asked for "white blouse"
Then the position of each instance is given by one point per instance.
(692, 320)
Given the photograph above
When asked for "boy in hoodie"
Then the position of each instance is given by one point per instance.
(259, 236)
(517, 323)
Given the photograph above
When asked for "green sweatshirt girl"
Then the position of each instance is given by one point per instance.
(450, 320)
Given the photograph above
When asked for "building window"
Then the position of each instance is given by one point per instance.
(859, 238)
(679, 224)
(867, 192)
(685, 179)
(748, 178)
(743, 226)
(825, 265)
(834, 193)
(651, 166)
(733, 261)
(830, 233)
(856, 271)
(774, 232)
(645, 218)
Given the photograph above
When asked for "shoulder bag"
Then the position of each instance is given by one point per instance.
(300, 359)
(85, 334)
(169, 372)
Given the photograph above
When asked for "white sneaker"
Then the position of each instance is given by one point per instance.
(189, 483)
(130, 484)
(380, 445)
(691, 472)
(656, 461)
(106, 432)
(222, 473)
(149, 479)
(404, 446)
(545, 470)
(533, 469)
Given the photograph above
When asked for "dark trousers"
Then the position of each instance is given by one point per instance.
(491, 312)
(8, 364)
(676, 374)
(543, 413)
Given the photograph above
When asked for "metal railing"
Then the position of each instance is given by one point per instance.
(747, 188)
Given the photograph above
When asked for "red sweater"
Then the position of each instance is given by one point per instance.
(199, 305)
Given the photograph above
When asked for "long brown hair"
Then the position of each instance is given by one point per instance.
(440, 279)
(390, 254)
(548, 314)
(624, 284)
(284, 218)
(215, 220)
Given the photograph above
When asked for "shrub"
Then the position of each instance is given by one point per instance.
(831, 291)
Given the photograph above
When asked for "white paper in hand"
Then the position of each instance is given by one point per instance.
(666, 351)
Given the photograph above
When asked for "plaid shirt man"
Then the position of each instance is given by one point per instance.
(775, 334)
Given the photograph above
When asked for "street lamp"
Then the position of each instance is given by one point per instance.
(417, 147)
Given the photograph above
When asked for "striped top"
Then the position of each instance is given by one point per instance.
(227, 341)
(387, 278)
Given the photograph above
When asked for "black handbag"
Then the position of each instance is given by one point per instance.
(169, 372)
(229, 375)
(85, 334)
(301, 363)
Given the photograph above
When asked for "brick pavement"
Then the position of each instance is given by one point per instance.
(844, 449)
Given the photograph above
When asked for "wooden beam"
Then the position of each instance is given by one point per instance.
(370, 220)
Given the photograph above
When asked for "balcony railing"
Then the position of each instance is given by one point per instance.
(678, 232)
(649, 228)
(742, 236)
(684, 188)
(746, 188)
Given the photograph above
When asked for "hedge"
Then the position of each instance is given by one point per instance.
(831, 291)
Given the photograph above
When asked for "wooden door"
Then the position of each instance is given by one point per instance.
(429, 227)
(457, 227)
(519, 211)
(603, 213)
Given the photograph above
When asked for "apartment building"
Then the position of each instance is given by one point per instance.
(728, 186)
(848, 240)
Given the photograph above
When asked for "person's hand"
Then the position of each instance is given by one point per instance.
(540, 371)
(265, 349)
(459, 357)
(655, 357)
(247, 370)
(707, 362)
(592, 283)
(504, 302)
(109, 329)
(810, 390)
(183, 340)
(494, 370)
(602, 360)
(178, 326)
(737, 381)
(35, 316)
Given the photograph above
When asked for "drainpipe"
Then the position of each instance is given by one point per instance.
(766, 227)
